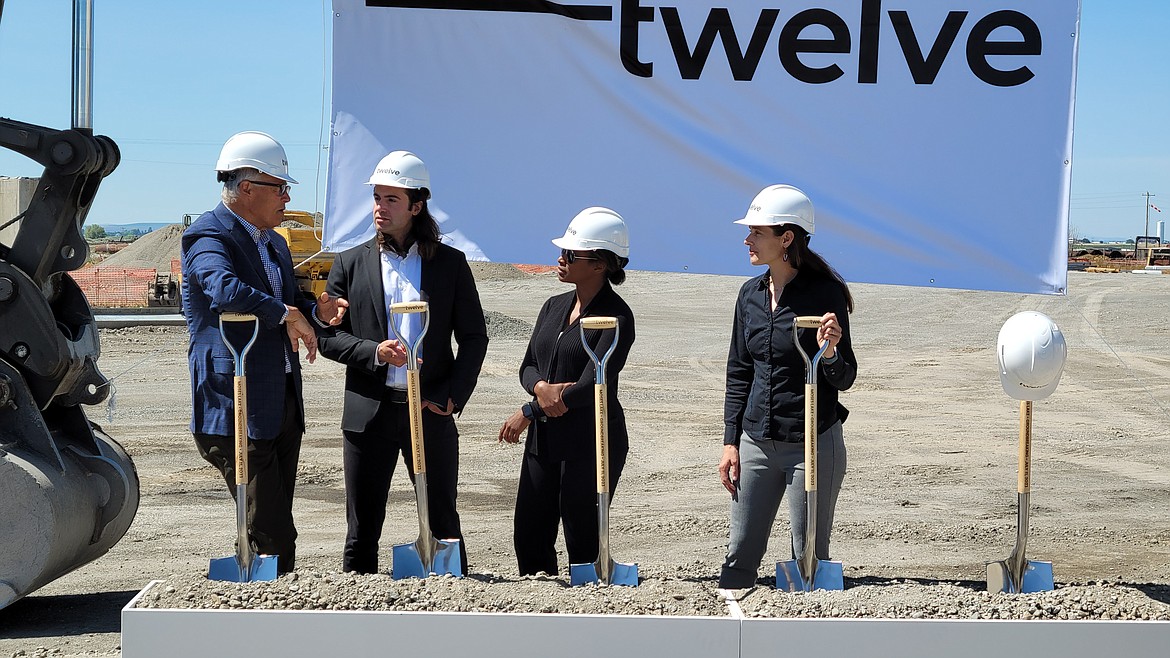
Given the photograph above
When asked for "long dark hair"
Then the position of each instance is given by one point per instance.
(802, 257)
(424, 230)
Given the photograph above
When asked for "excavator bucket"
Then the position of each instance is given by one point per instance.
(68, 492)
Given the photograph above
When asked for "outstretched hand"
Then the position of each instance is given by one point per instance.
(331, 310)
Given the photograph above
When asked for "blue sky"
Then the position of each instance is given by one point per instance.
(172, 80)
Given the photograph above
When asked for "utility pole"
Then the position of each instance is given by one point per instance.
(1147, 195)
(1147, 229)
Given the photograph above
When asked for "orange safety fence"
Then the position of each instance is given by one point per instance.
(115, 287)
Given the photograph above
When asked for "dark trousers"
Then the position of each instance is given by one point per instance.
(272, 476)
(370, 458)
(553, 491)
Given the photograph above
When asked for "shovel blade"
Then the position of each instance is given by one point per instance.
(447, 559)
(407, 561)
(829, 575)
(1037, 577)
(231, 570)
(620, 573)
(582, 574)
(625, 575)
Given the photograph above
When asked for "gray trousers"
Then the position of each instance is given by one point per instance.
(766, 470)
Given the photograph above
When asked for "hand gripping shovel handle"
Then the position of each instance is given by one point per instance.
(246, 566)
(605, 569)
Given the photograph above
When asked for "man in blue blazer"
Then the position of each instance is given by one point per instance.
(233, 262)
(404, 261)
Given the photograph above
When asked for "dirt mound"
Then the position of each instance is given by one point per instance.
(155, 250)
(489, 271)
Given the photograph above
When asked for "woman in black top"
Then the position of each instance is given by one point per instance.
(763, 440)
(558, 477)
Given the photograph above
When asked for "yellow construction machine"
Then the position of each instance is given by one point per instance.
(302, 231)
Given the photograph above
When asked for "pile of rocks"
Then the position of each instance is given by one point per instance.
(660, 593)
(904, 599)
(312, 588)
(154, 250)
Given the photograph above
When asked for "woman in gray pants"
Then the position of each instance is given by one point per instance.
(763, 440)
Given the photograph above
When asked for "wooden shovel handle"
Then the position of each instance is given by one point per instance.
(810, 438)
(237, 317)
(599, 399)
(599, 322)
(1024, 471)
(408, 307)
(241, 392)
(414, 400)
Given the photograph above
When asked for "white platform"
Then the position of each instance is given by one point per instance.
(150, 633)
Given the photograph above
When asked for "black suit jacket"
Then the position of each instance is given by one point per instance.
(555, 354)
(449, 287)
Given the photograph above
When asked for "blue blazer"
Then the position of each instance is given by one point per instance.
(222, 272)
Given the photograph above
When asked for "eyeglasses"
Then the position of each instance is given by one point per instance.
(281, 188)
(570, 256)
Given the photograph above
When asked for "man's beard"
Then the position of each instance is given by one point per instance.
(388, 243)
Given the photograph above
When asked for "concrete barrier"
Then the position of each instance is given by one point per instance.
(149, 632)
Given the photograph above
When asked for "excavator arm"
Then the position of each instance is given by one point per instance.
(68, 492)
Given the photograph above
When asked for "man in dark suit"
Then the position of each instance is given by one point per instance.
(404, 261)
(233, 262)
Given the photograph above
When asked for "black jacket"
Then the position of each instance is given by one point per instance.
(555, 354)
(765, 373)
(449, 287)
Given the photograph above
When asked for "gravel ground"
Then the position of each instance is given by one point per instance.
(678, 593)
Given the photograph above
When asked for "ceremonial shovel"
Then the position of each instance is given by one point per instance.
(1016, 574)
(426, 555)
(806, 572)
(245, 566)
(605, 569)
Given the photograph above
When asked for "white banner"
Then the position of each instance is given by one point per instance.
(934, 137)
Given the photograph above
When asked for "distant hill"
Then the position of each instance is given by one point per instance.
(120, 228)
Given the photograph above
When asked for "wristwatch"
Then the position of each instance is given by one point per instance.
(526, 409)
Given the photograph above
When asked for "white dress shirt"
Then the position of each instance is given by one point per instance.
(401, 278)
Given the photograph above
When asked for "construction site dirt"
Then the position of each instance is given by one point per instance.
(929, 497)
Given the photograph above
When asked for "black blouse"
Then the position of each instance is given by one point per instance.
(555, 354)
(765, 372)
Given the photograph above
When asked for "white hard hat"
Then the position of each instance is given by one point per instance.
(256, 150)
(597, 228)
(401, 169)
(1031, 353)
(780, 204)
